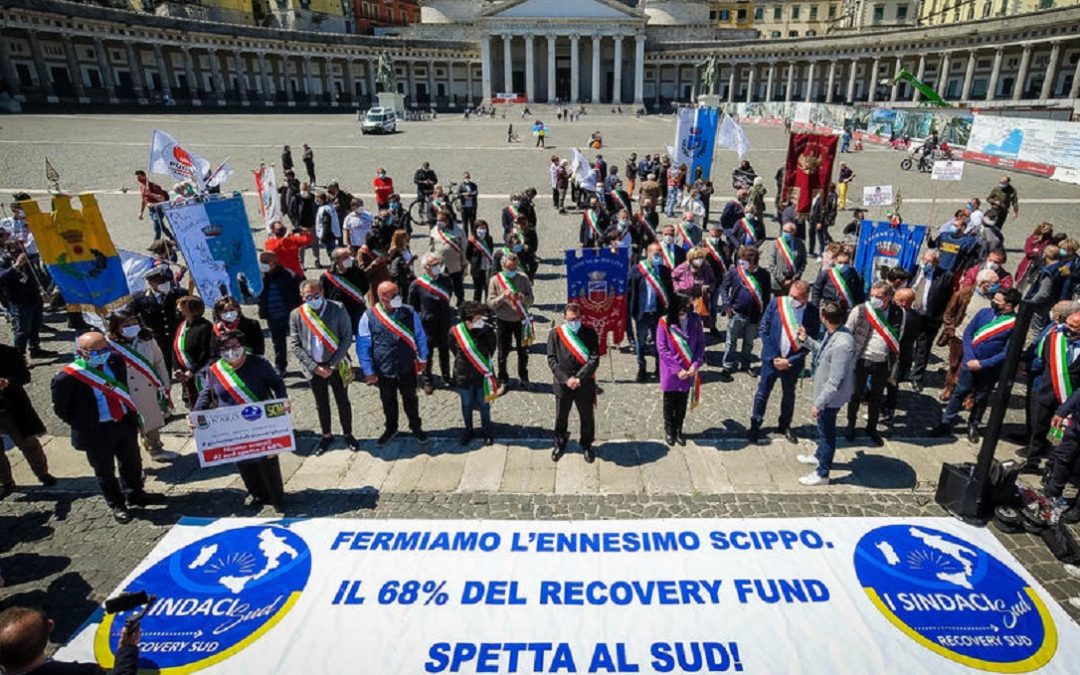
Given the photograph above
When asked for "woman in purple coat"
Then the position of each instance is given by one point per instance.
(680, 344)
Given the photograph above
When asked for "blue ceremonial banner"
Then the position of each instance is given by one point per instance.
(596, 279)
(214, 236)
(883, 245)
(695, 136)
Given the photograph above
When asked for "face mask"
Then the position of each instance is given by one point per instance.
(510, 273)
(1073, 335)
(515, 203)
(991, 265)
(656, 260)
(574, 325)
(279, 233)
(928, 267)
(407, 256)
(395, 302)
(477, 325)
(517, 248)
(444, 224)
(788, 237)
(305, 194)
(436, 270)
(994, 289)
(1003, 185)
(97, 359)
(347, 263)
(840, 267)
(164, 287)
(232, 353)
(715, 241)
(230, 316)
(382, 174)
(697, 263)
(683, 318)
(877, 303)
(797, 305)
(995, 306)
(669, 239)
(131, 332)
(745, 264)
(315, 303)
(623, 225)
(395, 205)
(481, 233)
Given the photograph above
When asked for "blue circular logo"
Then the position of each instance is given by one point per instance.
(955, 599)
(215, 597)
(251, 413)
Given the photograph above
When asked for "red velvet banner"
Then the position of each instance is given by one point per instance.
(809, 167)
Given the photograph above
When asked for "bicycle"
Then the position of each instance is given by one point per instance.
(420, 207)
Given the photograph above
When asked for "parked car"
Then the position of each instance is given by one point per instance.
(379, 121)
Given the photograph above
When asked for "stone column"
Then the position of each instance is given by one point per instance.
(789, 92)
(551, 68)
(290, 95)
(241, 77)
(831, 81)
(616, 90)
(350, 78)
(595, 69)
(189, 72)
(852, 68)
(72, 63)
(105, 68)
(43, 75)
(508, 64)
(410, 75)
(164, 70)
(916, 96)
(135, 66)
(750, 84)
(485, 68)
(894, 92)
(1051, 72)
(969, 77)
(732, 81)
(871, 94)
(943, 74)
(770, 78)
(1021, 76)
(468, 82)
(575, 67)
(309, 81)
(219, 79)
(328, 80)
(530, 64)
(1074, 90)
(11, 76)
(268, 92)
(995, 74)
(639, 69)
(810, 67)
(431, 81)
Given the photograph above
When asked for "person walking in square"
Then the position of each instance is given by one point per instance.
(573, 354)
(473, 343)
(680, 344)
(309, 163)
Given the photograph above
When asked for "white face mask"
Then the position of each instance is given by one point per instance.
(877, 303)
(477, 325)
(436, 270)
(481, 233)
(232, 353)
(395, 302)
(131, 332)
(745, 264)
(164, 287)
(697, 263)
(264, 268)
(347, 263)
(230, 316)
(669, 239)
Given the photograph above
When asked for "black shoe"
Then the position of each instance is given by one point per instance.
(941, 429)
(558, 452)
(642, 377)
(322, 446)
(47, 479)
(253, 502)
(850, 433)
(466, 437)
(754, 433)
(669, 438)
(39, 353)
(790, 435)
(1031, 466)
(1071, 515)
(489, 440)
(386, 437)
(875, 437)
(973, 435)
(142, 498)
(916, 387)
(420, 436)
(725, 375)
(679, 438)
(353, 444)
(121, 515)
(429, 388)
(590, 454)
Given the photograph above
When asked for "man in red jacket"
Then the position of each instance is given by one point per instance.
(384, 187)
(286, 246)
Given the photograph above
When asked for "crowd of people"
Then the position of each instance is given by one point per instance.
(384, 312)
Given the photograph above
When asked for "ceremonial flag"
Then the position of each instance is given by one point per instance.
(269, 199)
(579, 166)
(168, 158)
(695, 136)
(76, 248)
(221, 174)
(808, 169)
(732, 137)
(883, 245)
(596, 280)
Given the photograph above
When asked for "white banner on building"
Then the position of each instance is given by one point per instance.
(238, 432)
(168, 158)
(947, 169)
(1048, 148)
(916, 596)
(877, 195)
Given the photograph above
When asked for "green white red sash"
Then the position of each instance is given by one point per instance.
(508, 287)
(514, 212)
(477, 359)
(319, 328)
(484, 250)
(752, 285)
(428, 284)
(623, 201)
(180, 347)
(113, 390)
(437, 204)
(645, 223)
(686, 355)
(653, 278)
(593, 220)
(785, 252)
(684, 233)
(396, 327)
(232, 383)
(1058, 360)
(841, 286)
(573, 344)
(716, 256)
(448, 239)
(789, 325)
(999, 325)
(346, 287)
(668, 256)
(140, 363)
(748, 229)
(881, 324)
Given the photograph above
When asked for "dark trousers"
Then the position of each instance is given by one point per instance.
(509, 334)
(826, 440)
(26, 320)
(1062, 465)
(458, 279)
(279, 337)
(925, 331)
(980, 383)
(30, 447)
(878, 373)
(479, 285)
(320, 389)
(443, 347)
(1041, 411)
(675, 410)
(555, 197)
(468, 219)
(262, 479)
(116, 444)
(584, 398)
(769, 375)
(164, 343)
(389, 388)
(820, 237)
(645, 339)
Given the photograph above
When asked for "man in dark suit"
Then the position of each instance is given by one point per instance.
(90, 397)
(156, 306)
(1056, 372)
(933, 287)
(573, 353)
(782, 356)
(24, 635)
(649, 292)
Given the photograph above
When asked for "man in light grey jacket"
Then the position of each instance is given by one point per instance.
(320, 334)
(834, 383)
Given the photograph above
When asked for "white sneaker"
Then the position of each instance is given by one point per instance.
(812, 479)
(806, 459)
(164, 455)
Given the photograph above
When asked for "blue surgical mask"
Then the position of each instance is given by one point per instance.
(510, 273)
(928, 267)
(315, 302)
(97, 359)
(656, 261)
(574, 325)
(994, 288)
(788, 237)
(840, 267)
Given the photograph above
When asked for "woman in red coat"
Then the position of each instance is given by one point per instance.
(1042, 237)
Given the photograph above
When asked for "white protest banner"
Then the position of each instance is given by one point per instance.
(733, 137)
(918, 596)
(947, 169)
(238, 432)
(168, 158)
(877, 195)
(269, 199)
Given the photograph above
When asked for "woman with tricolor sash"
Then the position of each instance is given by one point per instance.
(238, 378)
(473, 344)
(481, 254)
(680, 343)
(429, 295)
(228, 316)
(192, 347)
(147, 379)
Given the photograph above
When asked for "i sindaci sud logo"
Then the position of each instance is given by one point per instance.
(215, 597)
(955, 599)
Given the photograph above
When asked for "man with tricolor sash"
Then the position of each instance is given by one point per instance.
(671, 253)
(392, 348)
(346, 284)
(878, 327)
(1064, 459)
(985, 340)
(720, 261)
(594, 222)
(839, 282)
(649, 292)
(573, 353)
(789, 259)
(1056, 367)
(473, 344)
(319, 331)
(783, 357)
(90, 396)
(429, 295)
(744, 295)
(510, 295)
(448, 241)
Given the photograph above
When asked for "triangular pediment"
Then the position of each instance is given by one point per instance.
(562, 9)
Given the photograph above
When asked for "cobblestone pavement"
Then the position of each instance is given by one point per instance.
(61, 549)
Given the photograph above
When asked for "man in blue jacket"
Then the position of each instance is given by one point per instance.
(782, 356)
(985, 340)
(744, 295)
(649, 292)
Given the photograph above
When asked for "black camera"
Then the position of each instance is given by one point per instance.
(126, 602)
